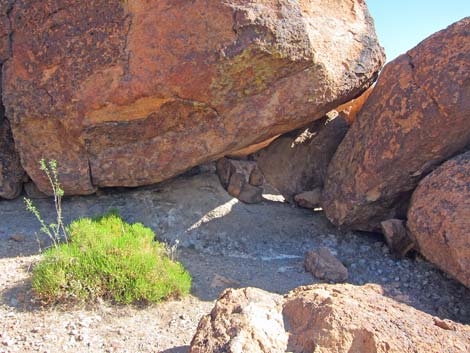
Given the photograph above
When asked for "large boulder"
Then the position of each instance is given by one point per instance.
(439, 217)
(323, 318)
(298, 161)
(125, 93)
(417, 116)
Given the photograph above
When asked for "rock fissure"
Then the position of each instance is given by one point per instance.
(8, 13)
(130, 18)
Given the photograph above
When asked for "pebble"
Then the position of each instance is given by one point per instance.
(18, 237)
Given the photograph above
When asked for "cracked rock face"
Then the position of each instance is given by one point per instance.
(12, 174)
(417, 116)
(126, 93)
(323, 318)
(439, 217)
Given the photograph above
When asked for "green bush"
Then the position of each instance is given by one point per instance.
(110, 259)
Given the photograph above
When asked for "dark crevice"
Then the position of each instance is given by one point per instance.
(129, 19)
(2, 108)
(90, 173)
(8, 12)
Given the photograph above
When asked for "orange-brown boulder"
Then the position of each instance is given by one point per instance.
(323, 318)
(126, 93)
(297, 162)
(439, 217)
(417, 116)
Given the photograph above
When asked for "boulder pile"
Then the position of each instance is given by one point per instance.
(385, 172)
(130, 93)
(417, 116)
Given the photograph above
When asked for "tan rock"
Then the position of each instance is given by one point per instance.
(127, 93)
(324, 265)
(222, 281)
(346, 318)
(416, 117)
(242, 321)
(298, 161)
(309, 199)
(439, 217)
(324, 318)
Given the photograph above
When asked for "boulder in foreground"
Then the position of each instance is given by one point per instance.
(323, 318)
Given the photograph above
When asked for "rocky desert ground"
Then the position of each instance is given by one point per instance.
(270, 144)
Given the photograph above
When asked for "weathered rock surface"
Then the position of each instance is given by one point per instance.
(324, 265)
(298, 161)
(417, 116)
(323, 318)
(243, 320)
(126, 93)
(439, 217)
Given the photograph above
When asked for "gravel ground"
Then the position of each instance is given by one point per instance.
(222, 242)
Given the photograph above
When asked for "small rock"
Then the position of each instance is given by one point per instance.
(221, 281)
(18, 237)
(309, 199)
(242, 179)
(323, 265)
(397, 237)
(443, 324)
(251, 194)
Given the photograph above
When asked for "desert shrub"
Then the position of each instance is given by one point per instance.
(55, 231)
(108, 258)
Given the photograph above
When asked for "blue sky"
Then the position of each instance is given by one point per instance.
(402, 24)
